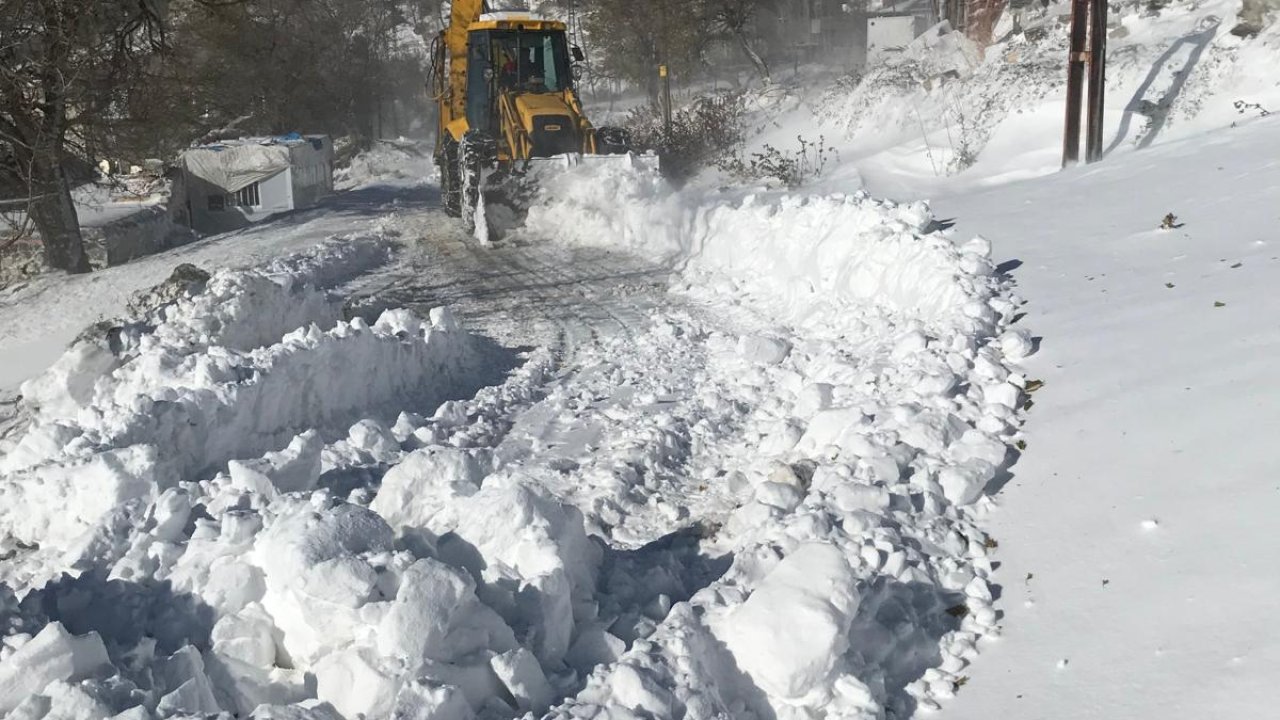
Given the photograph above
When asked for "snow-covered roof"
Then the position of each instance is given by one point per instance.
(236, 164)
(288, 139)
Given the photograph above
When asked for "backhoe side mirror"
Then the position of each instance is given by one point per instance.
(578, 55)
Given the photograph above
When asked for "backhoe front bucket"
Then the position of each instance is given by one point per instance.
(508, 191)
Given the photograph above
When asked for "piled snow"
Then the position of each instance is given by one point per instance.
(859, 584)
(399, 163)
(809, 595)
(188, 471)
(812, 256)
(217, 376)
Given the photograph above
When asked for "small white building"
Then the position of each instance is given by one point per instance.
(889, 34)
(234, 183)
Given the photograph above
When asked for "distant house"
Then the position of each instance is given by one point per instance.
(234, 183)
(893, 24)
(889, 33)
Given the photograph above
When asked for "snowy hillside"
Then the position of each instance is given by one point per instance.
(943, 113)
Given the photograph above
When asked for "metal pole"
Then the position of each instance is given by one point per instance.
(1097, 77)
(1075, 81)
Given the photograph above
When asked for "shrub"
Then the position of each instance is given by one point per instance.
(700, 133)
(791, 169)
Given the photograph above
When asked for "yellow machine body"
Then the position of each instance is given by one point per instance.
(509, 114)
(515, 113)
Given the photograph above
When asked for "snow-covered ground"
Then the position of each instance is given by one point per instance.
(40, 316)
(286, 505)
(1137, 573)
(718, 452)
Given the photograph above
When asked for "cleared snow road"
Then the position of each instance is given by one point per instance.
(526, 293)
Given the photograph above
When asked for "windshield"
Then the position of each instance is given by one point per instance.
(531, 61)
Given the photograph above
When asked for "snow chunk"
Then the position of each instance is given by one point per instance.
(53, 654)
(442, 318)
(55, 504)
(964, 482)
(534, 557)
(436, 616)
(294, 469)
(355, 683)
(790, 633)
(520, 672)
(428, 701)
(416, 491)
(246, 636)
(763, 350)
(812, 399)
(830, 428)
(1015, 344)
(242, 687)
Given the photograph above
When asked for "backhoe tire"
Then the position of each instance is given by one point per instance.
(475, 152)
(450, 178)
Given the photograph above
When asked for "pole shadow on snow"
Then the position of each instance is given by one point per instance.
(1157, 113)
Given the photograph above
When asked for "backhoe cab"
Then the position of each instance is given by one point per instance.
(503, 82)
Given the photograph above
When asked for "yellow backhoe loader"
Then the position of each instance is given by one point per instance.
(508, 113)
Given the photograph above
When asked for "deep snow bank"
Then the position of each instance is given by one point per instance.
(861, 583)
(232, 371)
(398, 163)
(209, 478)
(811, 256)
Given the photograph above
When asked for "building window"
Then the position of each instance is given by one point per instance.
(217, 202)
(245, 197)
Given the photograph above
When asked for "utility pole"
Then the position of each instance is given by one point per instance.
(666, 98)
(1088, 46)
(1097, 78)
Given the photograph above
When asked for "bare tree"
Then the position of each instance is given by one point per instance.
(736, 18)
(632, 39)
(61, 63)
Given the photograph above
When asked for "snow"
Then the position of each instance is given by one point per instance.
(389, 163)
(1146, 462)
(479, 569)
(810, 595)
(882, 362)
(52, 655)
(703, 452)
(42, 316)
